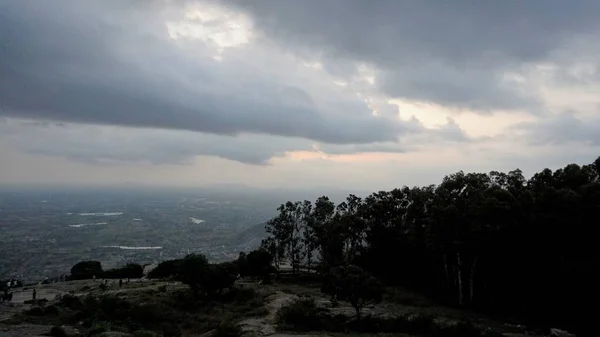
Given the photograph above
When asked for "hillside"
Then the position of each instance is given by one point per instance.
(156, 308)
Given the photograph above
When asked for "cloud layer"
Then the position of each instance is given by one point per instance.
(98, 62)
(455, 54)
(271, 83)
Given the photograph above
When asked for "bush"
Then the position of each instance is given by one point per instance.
(300, 315)
(51, 310)
(35, 311)
(70, 301)
(353, 285)
(86, 270)
(419, 324)
(98, 328)
(166, 269)
(131, 270)
(58, 331)
(228, 329)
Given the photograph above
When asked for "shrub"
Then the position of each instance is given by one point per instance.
(228, 329)
(193, 271)
(166, 269)
(353, 285)
(300, 315)
(58, 331)
(70, 301)
(258, 263)
(98, 328)
(131, 270)
(86, 270)
(419, 324)
(51, 310)
(35, 311)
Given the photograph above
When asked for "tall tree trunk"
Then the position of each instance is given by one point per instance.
(459, 279)
(471, 281)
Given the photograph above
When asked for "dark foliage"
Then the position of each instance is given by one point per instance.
(131, 270)
(86, 270)
(228, 329)
(193, 272)
(353, 285)
(166, 269)
(257, 263)
(216, 278)
(495, 242)
(58, 331)
(300, 315)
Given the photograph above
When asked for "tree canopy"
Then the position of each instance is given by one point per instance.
(86, 270)
(490, 241)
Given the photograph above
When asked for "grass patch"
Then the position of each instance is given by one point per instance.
(151, 312)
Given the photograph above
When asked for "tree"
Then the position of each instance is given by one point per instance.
(166, 269)
(131, 270)
(497, 241)
(217, 277)
(353, 285)
(286, 230)
(328, 233)
(86, 270)
(259, 263)
(193, 272)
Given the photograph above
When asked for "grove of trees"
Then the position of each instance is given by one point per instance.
(494, 241)
(89, 269)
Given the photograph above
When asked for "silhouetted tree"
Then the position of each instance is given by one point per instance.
(86, 270)
(166, 269)
(497, 242)
(194, 272)
(258, 263)
(353, 285)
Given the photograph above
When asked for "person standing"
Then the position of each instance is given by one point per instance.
(34, 294)
(120, 283)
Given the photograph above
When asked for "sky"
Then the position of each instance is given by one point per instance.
(353, 94)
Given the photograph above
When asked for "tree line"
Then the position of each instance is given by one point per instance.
(493, 241)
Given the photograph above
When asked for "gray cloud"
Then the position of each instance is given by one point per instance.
(451, 53)
(561, 129)
(105, 144)
(101, 144)
(112, 63)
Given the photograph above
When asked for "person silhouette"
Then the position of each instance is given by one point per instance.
(34, 294)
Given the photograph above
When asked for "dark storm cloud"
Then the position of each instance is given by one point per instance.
(112, 63)
(453, 53)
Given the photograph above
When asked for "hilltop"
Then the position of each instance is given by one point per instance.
(146, 307)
